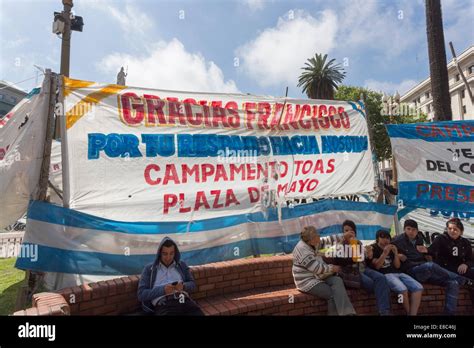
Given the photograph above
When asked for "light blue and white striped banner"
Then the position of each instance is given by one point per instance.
(73, 242)
(435, 164)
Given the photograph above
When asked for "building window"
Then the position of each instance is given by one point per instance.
(419, 100)
(463, 93)
(1, 96)
(458, 77)
(464, 111)
(428, 107)
(470, 69)
(427, 95)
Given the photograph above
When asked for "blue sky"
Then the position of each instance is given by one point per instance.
(249, 46)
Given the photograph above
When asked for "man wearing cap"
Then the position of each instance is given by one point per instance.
(412, 254)
(386, 260)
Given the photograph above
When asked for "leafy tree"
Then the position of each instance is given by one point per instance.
(377, 120)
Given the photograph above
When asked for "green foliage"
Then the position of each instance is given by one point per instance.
(377, 121)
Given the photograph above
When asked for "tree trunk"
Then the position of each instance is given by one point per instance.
(437, 57)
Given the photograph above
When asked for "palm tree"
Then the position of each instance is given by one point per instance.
(437, 56)
(320, 78)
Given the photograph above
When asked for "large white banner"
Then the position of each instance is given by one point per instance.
(22, 136)
(136, 154)
(435, 164)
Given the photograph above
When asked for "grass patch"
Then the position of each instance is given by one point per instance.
(11, 280)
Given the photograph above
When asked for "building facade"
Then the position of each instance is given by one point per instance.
(419, 98)
(10, 95)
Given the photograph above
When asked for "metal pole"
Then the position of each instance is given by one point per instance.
(63, 135)
(66, 39)
(44, 175)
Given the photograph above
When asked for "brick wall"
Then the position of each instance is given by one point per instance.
(258, 286)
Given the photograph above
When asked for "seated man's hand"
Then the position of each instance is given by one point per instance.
(462, 268)
(422, 249)
(336, 269)
(402, 257)
(387, 249)
(169, 289)
(369, 252)
(394, 249)
(179, 286)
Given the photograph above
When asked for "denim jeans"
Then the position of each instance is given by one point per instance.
(461, 279)
(432, 273)
(401, 282)
(375, 282)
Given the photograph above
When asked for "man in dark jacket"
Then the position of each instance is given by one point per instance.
(413, 254)
(452, 251)
(165, 284)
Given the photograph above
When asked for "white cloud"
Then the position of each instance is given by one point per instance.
(390, 87)
(169, 66)
(255, 5)
(277, 54)
(389, 28)
(458, 24)
(131, 19)
(15, 43)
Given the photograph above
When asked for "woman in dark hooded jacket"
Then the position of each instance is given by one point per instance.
(452, 251)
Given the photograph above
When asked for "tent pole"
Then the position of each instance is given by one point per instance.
(49, 88)
(44, 175)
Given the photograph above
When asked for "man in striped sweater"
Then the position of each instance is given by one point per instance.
(370, 280)
(313, 276)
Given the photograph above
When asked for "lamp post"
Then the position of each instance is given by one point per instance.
(66, 43)
(64, 23)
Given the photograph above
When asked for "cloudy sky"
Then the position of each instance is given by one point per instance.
(250, 46)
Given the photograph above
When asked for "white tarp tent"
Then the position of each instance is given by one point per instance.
(22, 136)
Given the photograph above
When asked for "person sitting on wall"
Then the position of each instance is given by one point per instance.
(413, 255)
(453, 252)
(165, 284)
(387, 261)
(353, 271)
(315, 277)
